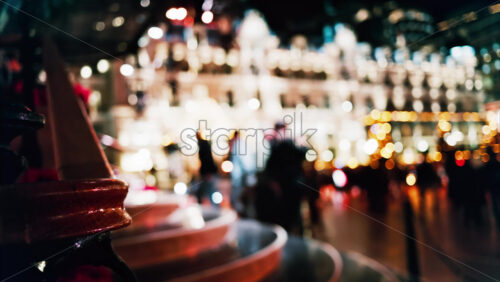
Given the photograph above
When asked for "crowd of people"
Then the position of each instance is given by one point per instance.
(472, 184)
(276, 193)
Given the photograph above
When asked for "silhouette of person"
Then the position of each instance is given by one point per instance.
(279, 196)
(208, 170)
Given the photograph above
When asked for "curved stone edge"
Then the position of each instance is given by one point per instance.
(252, 268)
(159, 247)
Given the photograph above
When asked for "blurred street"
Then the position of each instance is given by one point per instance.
(438, 225)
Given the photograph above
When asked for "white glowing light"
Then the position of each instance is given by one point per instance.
(171, 13)
(176, 14)
(107, 140)
(451, 94)
(408, 156)
(434, 93)
(375, 128)
(327, 155)
(191, 106)
(190, 217)
(181, 13)
(145, 3)
(150, 180)
(100, 26)
(418, 106)
(155, 32)
(422, 146)
(345, 39)
(142, 197)
(458, 135)
(132, 99)
(86, 72)
(417, 92)
(344, 145)
(207, 5)
(450, 139)
(253, 28)
(253, 104)
(452, 107)
(370, 146)
(411, 179)
(232, 58)
(192, 44)
(339, 163)
(41, 265)
(207, 17)
(454, 137)
(143, 41)
(42, 76)
(219, 57)
(118, 21)
(180, 188)
(135, 162)
(216, 198)
(398, 147)
(311, 155)
(347, 106)
(103, 66)
(227, 166)
(339, 178)
(362, 15)
(435, 107)
(126, 70)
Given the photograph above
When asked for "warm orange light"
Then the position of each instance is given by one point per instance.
(476, 154)
(411, 179)
(386, 116)
(496, 148)
(485, 158)
(444, 116)
(413, 116)
(390, 146)
(380, 135)
(444, 125)
(385, 153)
(389, 164)
(466, 154)
(413, 196)
(375, 115)
(386, 127)
(319, 165)
(485, 129)
(438, 156)
(352, 163)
